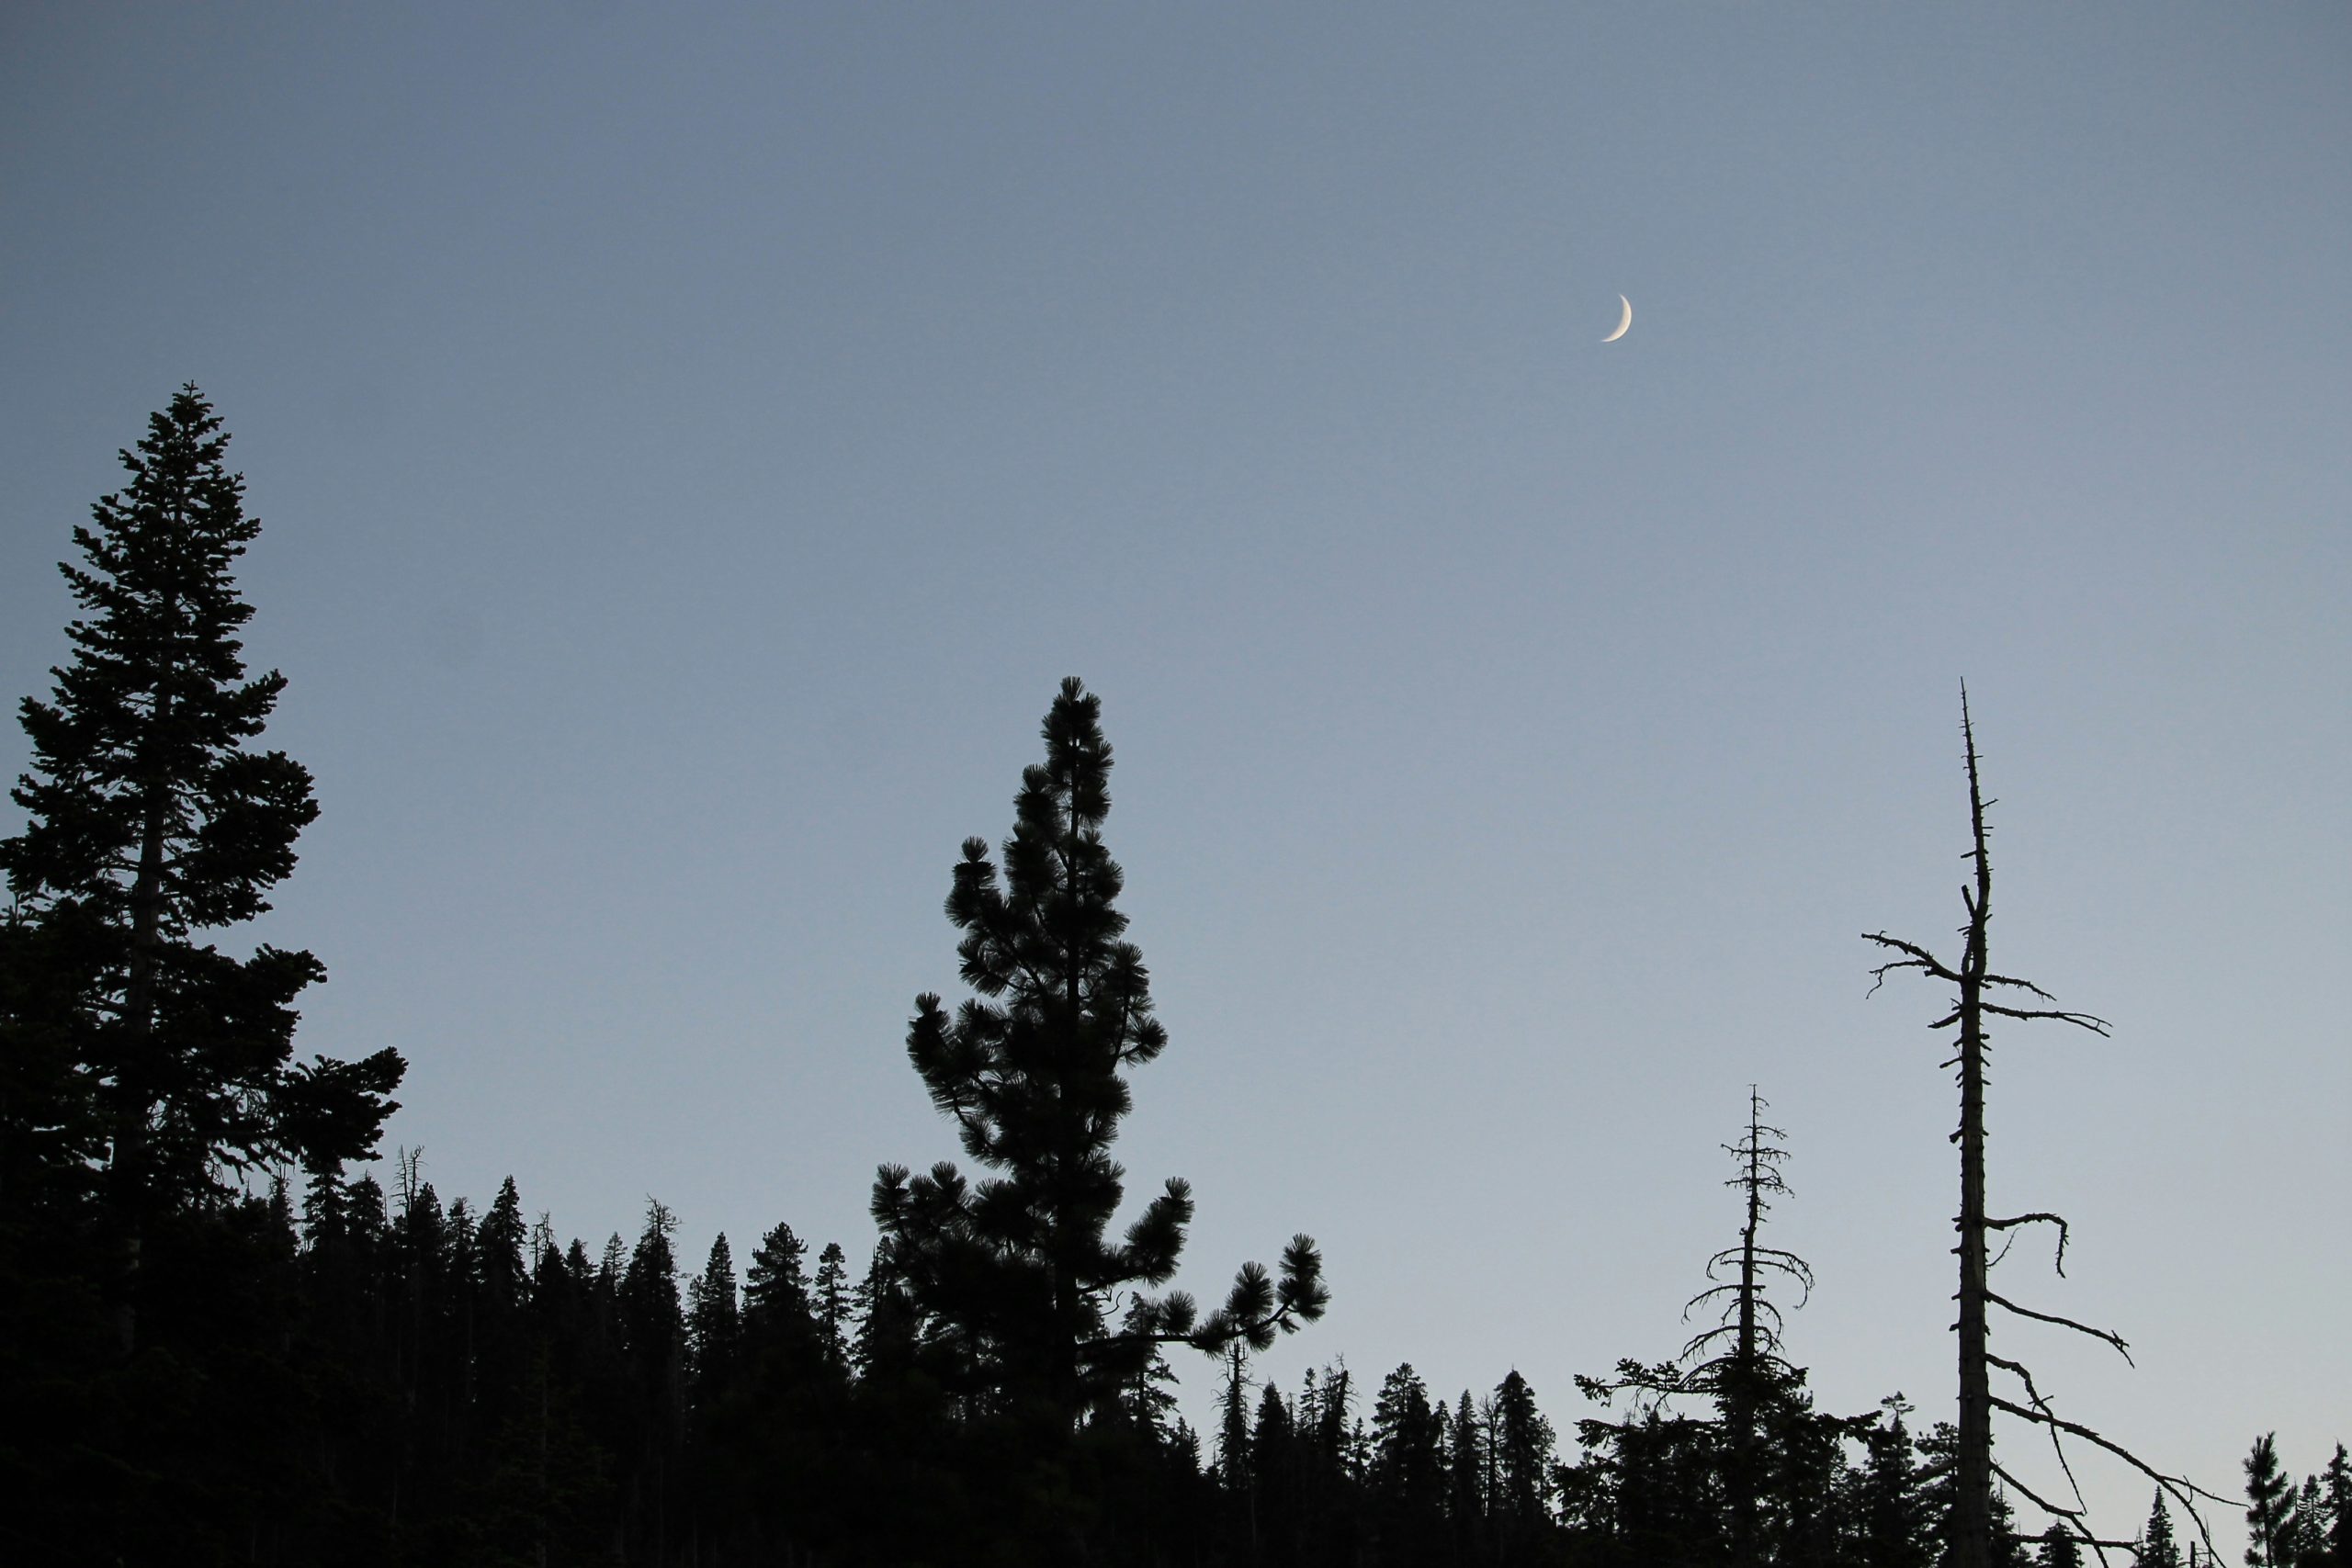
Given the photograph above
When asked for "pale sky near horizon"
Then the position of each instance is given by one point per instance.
(692, 444)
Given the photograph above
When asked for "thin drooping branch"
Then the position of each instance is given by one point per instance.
(2037, 1218)
(2109, 1336)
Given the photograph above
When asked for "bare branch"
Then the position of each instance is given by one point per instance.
(2056, 1448)
(2180, 1487)
(2072, 1518)
(2091, 1021)
(2037, 1217)
(2109, 1335)
(2021, 985)
(1919, 958)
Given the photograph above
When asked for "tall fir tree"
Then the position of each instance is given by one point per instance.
(1522, 1440)
(2058, 1547)
(1016, 1270)
(714, 1325)
(152, 822)
(829, 1301)
(2157, 1547)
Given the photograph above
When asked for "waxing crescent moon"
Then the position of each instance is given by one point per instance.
(1628, 321)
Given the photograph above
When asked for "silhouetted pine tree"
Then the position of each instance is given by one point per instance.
(1408, 1478)
(1017, 1272)
(2338, 1481)
(1891, 1526)
(1522, 1443)
(2058, 1547)
(145, 1075)
(151, 821)
(714, 1326)
(2309, 1548)
(1465, 1464)
(775, 1296)
(832, 1303)
(1274, 1481)
(2156, 1547)
(2270, 1506)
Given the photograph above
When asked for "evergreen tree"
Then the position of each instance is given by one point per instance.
(2058, 1547)
(832, 1305)
(713, 1324)
(1233, 1420)
(1274, 1475)
(1465, 1465)
(1522, 1443)
(2157, 1547)
(2338, 1477)
(1016, 1269)
(775, 1290)
(2270, 1506)
(1894, 1528)
(500, 1243)
(652, 1343)
(151, 822)
(888, 1322)
(1407, 1468)
(2309, 1547)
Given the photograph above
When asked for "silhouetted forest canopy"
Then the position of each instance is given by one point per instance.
(218, 1343)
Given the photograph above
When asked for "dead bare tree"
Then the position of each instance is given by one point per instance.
(1974, 1465)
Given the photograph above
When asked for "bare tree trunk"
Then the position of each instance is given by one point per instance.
(1972, 1524)
(1747, 1365)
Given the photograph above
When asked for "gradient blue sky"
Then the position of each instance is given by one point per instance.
(692, 442)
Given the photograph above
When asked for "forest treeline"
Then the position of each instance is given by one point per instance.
(219, 1346)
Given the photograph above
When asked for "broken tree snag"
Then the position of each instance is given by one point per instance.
(1978, 985)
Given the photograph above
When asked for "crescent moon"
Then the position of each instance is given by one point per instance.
(1628, 321)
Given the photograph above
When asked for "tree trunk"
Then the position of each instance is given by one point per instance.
(1973, 1503)
(126, 1174)
(1748, 1375)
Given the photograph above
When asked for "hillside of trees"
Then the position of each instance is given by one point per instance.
(218, 1343)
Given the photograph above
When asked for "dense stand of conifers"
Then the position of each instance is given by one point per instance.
(218, 1345)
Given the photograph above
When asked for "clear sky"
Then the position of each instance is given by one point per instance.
(692, 443)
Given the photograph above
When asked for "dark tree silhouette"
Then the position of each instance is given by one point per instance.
(1016, 1270)
(2156, 1547)
(2338, 1478)
(1740, 1365)
(2270, 1506)
(1747, 1370)
(151, 821)
(1972, 1542)
(1522, 1440)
